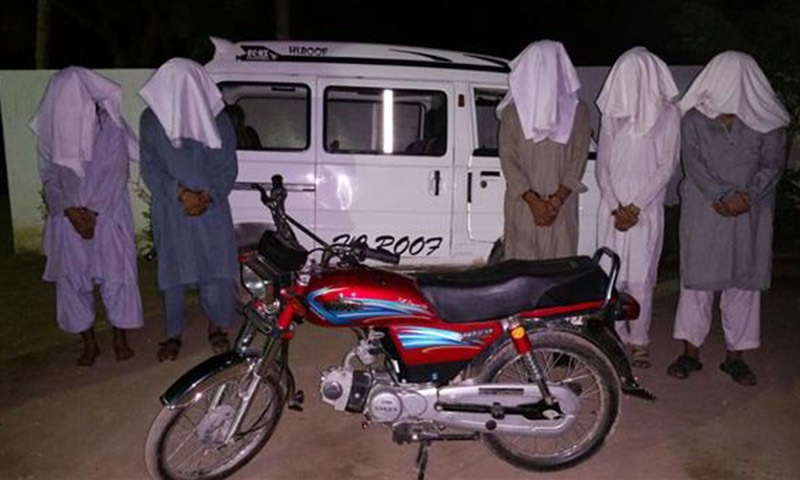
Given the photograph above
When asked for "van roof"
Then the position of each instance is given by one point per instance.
(352, 53)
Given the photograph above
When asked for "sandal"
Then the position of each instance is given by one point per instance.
(740, 372)
(683, 366)
(640, 357)
(219, 341)
(169, 349)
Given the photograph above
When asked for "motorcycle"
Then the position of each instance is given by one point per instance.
(521, 355)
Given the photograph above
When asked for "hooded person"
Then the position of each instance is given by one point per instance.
(733, 146)
(84, 148)
(543, 146)
(188, 162)
(637, 154)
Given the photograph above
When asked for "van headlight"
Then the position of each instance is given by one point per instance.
(255, 285)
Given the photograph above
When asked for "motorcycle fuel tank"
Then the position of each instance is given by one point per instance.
(366, 297)
(390, 301)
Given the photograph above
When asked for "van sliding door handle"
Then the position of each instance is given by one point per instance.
(434, 183)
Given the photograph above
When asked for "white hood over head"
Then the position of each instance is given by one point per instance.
(186, 101)
(733, 83)
(543, 84)
(637, 90)
(65, 122)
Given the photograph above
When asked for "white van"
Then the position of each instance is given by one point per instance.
(392, 145)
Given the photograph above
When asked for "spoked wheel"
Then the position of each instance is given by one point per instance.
(568, 361)
(189, 441)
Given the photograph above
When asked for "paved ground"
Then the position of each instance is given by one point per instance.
(61, 422)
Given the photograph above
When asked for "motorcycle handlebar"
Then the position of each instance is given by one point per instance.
(379, 255)
(274, 200)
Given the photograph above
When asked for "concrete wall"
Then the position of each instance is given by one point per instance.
(20, 94)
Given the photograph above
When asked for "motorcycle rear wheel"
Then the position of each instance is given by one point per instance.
(185, 442)
(566, 359)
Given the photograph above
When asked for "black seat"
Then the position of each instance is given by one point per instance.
(512, 286)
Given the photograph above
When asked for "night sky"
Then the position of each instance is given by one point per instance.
(144, 33)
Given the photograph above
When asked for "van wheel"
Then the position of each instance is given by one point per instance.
(498, 252)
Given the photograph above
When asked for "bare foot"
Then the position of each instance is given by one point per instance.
(123, 352)
(121, 348)
(90, 349)
(90, 354)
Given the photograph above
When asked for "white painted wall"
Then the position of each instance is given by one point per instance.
(21, 92)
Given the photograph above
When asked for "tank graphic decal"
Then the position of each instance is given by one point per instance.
(339, 309)
(423, 337)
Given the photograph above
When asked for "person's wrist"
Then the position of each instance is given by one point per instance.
(531, 198)
(529, 195)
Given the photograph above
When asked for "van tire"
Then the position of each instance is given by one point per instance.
(498, 252)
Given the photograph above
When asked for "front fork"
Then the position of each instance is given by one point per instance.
(275, 337)
(523, 346)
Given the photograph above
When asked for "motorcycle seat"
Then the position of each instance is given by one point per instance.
(512, 286)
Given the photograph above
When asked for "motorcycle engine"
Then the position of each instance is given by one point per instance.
(370, 392)
(345, 389)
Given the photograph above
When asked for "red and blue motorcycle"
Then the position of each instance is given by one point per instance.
(521, 355)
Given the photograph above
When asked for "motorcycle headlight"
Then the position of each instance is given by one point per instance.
(254, 284)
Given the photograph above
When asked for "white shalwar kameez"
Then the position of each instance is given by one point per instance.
(85, 147)
(637, 154)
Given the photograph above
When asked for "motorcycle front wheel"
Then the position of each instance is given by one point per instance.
(567, 360)
(189, 441)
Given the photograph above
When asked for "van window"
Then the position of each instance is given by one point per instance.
(384, 121)
(487, 123)
(269, 116)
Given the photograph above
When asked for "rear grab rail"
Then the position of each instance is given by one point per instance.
(612, 282)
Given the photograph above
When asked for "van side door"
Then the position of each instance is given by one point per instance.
(385, 166)
(486, 186)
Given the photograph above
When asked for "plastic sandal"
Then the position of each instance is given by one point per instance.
(683, 366)
(740, 372)
(640, 357)
(169, 349)
(219, 341)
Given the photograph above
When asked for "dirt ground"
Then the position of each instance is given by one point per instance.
(58, 421)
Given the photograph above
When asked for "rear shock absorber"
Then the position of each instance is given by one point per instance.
(524, 347)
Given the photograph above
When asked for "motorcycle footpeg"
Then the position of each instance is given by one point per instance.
(296, 402)
(638, 391)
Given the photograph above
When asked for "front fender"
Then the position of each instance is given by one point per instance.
(188, 381)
